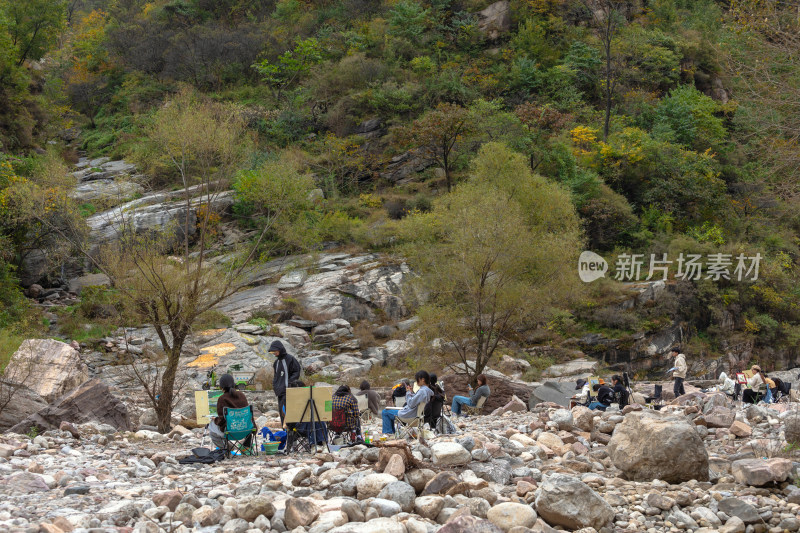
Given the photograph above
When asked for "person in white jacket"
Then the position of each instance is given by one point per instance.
(678, 371)
(757, 378)
(726, 384)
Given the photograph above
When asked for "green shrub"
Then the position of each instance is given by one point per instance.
(688, 117)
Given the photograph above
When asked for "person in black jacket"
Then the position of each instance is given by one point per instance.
(433, 410)
(605, 395)
(286, 370)
(620, 392)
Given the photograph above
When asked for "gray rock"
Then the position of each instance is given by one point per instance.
(740, 509)
(450, 454)
(648, 445)
(385, 508)
(566, 501)
(400, 492)
(496, 471)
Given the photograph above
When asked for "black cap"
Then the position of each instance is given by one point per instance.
(579, 383)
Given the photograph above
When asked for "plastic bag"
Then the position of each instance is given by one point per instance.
(278, 436)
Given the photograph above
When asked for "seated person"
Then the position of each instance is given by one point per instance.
(757, 379)
(343, 399)
(399, 390)
(413, 400)
(319, 434)
(583, 397)
(769, 396)
(373, 398)
(605, 395)
(727, 385)
(481, 391)
(433, 410)
(620, 392)
(232, 399)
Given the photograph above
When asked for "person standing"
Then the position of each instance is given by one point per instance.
(678, 371)
(286, 370)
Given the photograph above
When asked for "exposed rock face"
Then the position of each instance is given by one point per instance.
(48, 367)
(106, 190)
(568, 502)
(77, 285)
(648, 445)
(347, 287)
(495, 19)
(91, 402)
(577, 367)
(156, 212)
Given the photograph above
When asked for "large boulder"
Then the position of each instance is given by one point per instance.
(568, 502)
(495, 19)
(48, 367)
(791, 426)
(23, 402)
(92, 401)
(557, 392)
(502, 387)
(759, 472)
(77, 285)
(648, 445)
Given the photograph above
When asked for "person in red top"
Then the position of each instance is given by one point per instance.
(232, 399)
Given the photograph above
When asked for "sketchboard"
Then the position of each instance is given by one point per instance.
(205, 405)
(297, 399)
(741, 378)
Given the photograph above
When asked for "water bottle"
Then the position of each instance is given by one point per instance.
(366, 436)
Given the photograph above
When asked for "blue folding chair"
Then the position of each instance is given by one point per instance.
(241, 434)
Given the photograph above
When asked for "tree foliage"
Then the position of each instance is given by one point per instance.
(491, 256)
(33, 25)
(440, 135)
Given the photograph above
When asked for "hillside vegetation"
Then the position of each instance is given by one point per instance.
(647, 127)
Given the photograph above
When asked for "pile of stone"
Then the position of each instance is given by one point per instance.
(703, 466)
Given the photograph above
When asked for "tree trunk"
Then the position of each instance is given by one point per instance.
(607, 122)
(167, 392)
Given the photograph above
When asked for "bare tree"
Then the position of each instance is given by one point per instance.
(164, 277)
(608, 17)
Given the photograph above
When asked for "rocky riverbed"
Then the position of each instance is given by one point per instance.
(703, 464)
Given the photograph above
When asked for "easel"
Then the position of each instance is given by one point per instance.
(311, 409)
(310, 413)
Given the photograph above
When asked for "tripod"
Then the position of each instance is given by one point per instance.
(311, 409)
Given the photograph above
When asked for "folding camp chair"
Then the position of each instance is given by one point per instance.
(476, 409)
(654, 401)
(338, 432)
(241, 434)
(410, 428)
(296, 442)
(363, 409)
